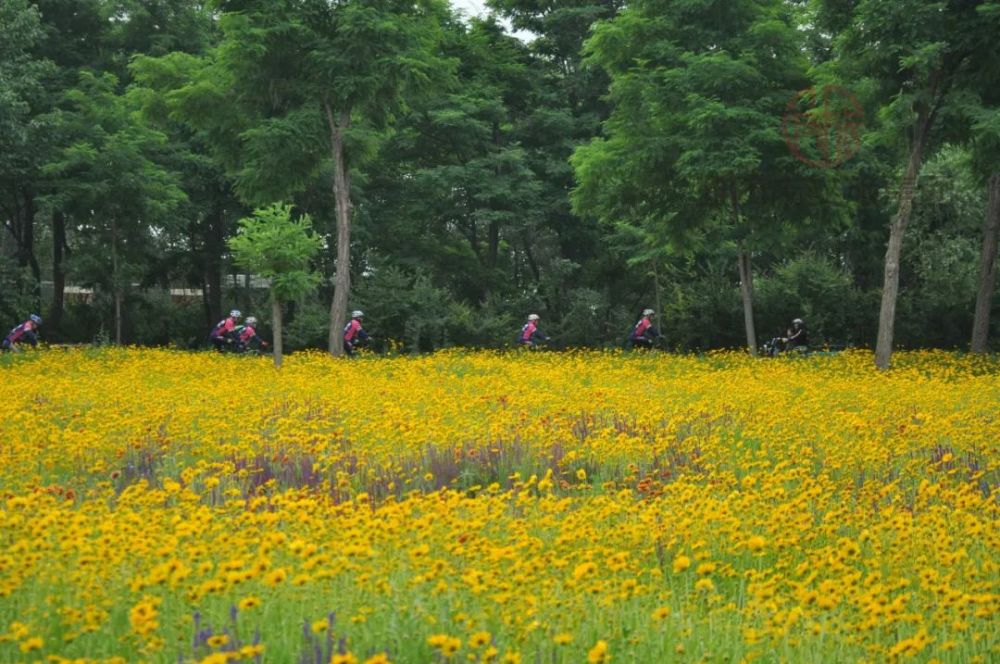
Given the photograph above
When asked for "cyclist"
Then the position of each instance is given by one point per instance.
(354, 333)
(530, 335)
(797, 337)
(221, 335)
(246, 336)
(25, 331)
(644, 334)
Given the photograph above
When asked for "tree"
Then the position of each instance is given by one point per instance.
(987, 267)
(97, 36)
(453, 188)
(938, 270)
(313, 78)
(694, 140)
(560, 28)
(199, 161)
(985, 130)
(910, 58)
(22, 135)
(110, 176)
(74, 39)
(272, 245)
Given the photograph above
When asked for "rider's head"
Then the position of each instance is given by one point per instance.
(35, 318)
(357, 314)
(647, 312)
(252, 321)
(236, 313)
(797, 323)
(533, 318)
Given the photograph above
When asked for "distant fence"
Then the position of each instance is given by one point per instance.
(177, 295)
(84, 295)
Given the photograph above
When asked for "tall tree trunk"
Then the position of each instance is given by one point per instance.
(746, 291)
(894, 250)
(118, 318)
(214, 246)
(532, 263)
(657, 291)
(493, 245)
(987, 268)
(746, 274)
(342, 198)
(245, 296)
(276, 331)
(22, 230)
(493, 230)
(28, 257)
(213, 303)
(116, 286)
(58, 270)
(205, 307)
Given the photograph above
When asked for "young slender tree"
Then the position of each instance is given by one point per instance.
(272, 245)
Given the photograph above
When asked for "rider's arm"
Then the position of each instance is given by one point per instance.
(361, 334)
(31, 337)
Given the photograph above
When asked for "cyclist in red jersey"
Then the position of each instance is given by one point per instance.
(353, 333)
(644, 334)
(26, 331)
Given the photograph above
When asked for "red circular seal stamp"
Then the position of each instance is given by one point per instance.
(822, 126)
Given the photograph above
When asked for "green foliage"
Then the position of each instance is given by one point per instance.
(619, 158)
(407, 308)
(272, 245)
(823, 294)
(20, 30)
(110, 175)
(16, 292)
(942, 259)
(695, 134)
(359, 58)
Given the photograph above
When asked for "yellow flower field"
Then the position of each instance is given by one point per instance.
(582, 507)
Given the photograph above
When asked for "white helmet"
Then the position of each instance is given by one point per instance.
(251, 321)
(235, 313)
(357, 314)
(533, 317)
(648, 312)
(798, 321)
